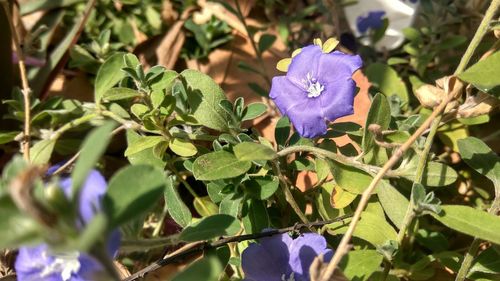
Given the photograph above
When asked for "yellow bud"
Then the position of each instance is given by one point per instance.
(284, 64)
(330, 45)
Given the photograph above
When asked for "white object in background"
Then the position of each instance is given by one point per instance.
(401, 14)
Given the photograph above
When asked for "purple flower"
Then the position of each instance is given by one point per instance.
(280, 257)
(42, 263)
(373, 20)
(317, 88)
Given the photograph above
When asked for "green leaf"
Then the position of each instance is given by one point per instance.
(146, 156)
(41, 151)
(205, 207)
(204, 98)
(341, 198)
(92, 148)
(182, 147)
(470, 221)
(261, 187)
(481, 158)
(231, 204)
(251, 151)
(371, 228)
(94, 231)
(387, 80)
(360, 265)
(253, 111)
(266, 41)
(208, 268)
(143, 143)
(323, 202)
(350, 178)
(451, 42)
(254, 216)
(6, 137)
(393, 203)
(17, 228)
(177, 209)
(131, 191)
(43, 5)
(380, 114)
(109, 74)
(484, 74)
(282, 131)
(115, 94)
(219, 165)
(322, 169)
(487, 262)
(210, 227)
(435, 173)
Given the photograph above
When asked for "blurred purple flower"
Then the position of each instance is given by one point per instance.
(32, 61)
(318, 87)
(372, 20)
(280, 257)
(41, 263)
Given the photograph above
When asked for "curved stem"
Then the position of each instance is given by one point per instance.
(288, 194)
(72, 124)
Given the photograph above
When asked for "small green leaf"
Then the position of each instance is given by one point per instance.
(487, 262)
(253, 111)
(204, 97)
(341, 198)
(361, 264)
(231, 204)
(143, 143)
(41, 151)
(261, 187)
(393, 203)
(92, 148)
(208, 268)
(254, 216)
(108, 75)
(380, 114)
(282, 131)
(205, 207)
(435, 173)
(387, 80)
(17, 228)
(283, 64)
(6, 137)
(484, 74)
(471, 222)
(251, 151)
(219, 165)
(115, 94)
(131, 191)
(266, 41)
(371, 228)
(177, 209)
(330, 45)
(481, 158)
(350, 178)
(210, 227)
(322, 169)
(146, 156)
(182, 147)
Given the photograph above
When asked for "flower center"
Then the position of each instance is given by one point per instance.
(312, 86)
(65, 264)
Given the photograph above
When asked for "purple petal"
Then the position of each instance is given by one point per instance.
(303, 251)
(268, 260)
(338, 102)
(91, 195)
(306, 62)
(373, 20)
(307, 118)
(338, 66)
(285, 94)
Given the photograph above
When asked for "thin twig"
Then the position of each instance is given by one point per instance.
(197, 247)
(24, 82)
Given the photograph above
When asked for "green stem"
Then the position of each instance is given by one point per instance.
(422, 163)
(474, 247)
(478, 36)
(288, 194)
(189, 188)
(147, 244)
(99, 252)
(72, 124)
(159, 226)
(333, 156)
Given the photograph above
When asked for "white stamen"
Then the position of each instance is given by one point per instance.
(312, 86)
(66, 264)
